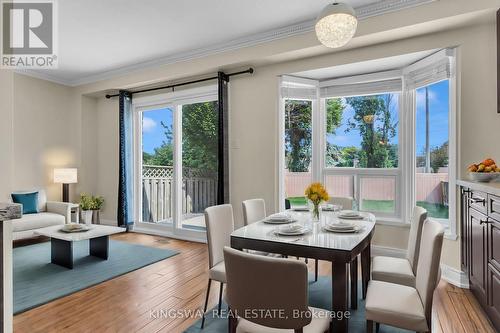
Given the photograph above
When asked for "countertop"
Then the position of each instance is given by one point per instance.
(492, 187)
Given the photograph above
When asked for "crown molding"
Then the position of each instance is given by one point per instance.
(363, 12)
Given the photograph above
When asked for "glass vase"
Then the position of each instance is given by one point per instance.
(315, 212)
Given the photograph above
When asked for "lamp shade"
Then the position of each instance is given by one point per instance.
(65, 175)
(336, 25)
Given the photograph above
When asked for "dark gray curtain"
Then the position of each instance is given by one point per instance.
(223, 147)
(125, 182)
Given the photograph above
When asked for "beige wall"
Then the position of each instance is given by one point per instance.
(6, 142)
(44, 127)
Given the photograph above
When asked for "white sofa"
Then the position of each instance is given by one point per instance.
(50, 213)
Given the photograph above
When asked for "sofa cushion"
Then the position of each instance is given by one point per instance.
(28, 200)
(37, 221)
(42, 198)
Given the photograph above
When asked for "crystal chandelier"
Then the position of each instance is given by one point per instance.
(336, 25)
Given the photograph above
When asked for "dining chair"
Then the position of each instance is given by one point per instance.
(403, 306)
(219, 221)
(258, 286)
(345, 202)
(402, 270)
(253, 210)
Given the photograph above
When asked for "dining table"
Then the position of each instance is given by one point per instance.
(341, 249)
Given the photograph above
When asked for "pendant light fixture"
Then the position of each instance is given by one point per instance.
(336, 25)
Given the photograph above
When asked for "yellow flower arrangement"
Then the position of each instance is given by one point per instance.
(317, 193)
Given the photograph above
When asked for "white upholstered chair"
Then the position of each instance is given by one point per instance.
(265, 284)
(220, 224)
(253, 210)
(403, 306)
(345, 202)
(402, 270)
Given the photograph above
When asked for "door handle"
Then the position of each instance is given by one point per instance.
(484, 221)
(477, 200)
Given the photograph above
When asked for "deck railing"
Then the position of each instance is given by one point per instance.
(199, 191)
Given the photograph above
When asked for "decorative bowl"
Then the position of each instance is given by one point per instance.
(483, 176)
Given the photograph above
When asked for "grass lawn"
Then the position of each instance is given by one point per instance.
(386, 206)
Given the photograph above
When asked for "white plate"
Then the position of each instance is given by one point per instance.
(344, 231)
(302, 231)
(349, 216)
(279, 221)
(341, 225)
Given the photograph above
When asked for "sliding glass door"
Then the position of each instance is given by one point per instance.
(176, 161)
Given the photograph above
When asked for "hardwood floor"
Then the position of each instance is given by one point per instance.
(124, 304)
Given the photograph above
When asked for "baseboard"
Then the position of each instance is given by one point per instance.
(377, 250)
(109, 222)
(142, 230)
(454, 276)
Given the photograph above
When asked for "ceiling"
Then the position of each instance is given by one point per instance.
(99, 36)
(365, 67)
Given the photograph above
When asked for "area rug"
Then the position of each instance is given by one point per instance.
(38, 281)
(319, 296)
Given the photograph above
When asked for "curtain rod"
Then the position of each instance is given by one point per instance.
(250, 71)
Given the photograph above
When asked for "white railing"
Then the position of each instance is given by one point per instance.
(199, 191)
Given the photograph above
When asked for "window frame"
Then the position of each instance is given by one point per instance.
(174, 101)
(405, 173)
(359, 173)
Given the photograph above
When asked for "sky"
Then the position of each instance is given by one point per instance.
(152, 130)
(438, 105)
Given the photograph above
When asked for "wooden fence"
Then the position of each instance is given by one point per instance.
(199, 191)
(428, 186)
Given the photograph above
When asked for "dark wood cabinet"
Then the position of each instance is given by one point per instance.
(477, 250)
(480, 245)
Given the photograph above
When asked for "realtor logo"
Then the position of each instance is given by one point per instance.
(28, 34)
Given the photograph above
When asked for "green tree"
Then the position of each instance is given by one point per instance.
(373, 118)
(298, 130)
(200, 136)
(199, 139)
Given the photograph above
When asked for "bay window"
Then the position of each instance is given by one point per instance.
(386, 139)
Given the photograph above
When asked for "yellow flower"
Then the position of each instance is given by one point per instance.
(316, 192)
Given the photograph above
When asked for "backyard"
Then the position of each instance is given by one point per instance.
(435, 210)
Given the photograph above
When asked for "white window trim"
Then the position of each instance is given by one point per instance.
(174, 101)
(405, 183)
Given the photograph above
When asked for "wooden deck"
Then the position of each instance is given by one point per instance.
(123, 304)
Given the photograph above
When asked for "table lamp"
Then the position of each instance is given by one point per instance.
(65, 176)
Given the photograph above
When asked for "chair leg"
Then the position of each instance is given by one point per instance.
(232, 321)
(377, 327)
(354, 283)
(220, 297)
(315, 270)
(369, 326)
(206, 303)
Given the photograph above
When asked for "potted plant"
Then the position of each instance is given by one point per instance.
(98, 202)
(86, 205)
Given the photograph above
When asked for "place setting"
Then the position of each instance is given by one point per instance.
(279, 218)
(340, 226)
(292, 230)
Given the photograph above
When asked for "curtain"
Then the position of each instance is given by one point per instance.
(223, 143)
(125, 216)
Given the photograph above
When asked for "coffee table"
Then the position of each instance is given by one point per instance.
(62, 242)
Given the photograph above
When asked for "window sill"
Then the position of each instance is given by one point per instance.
(448, 234)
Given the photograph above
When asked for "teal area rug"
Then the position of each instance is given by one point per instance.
(37, 281)
(319, 297)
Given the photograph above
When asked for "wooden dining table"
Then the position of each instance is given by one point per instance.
(341, 249)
